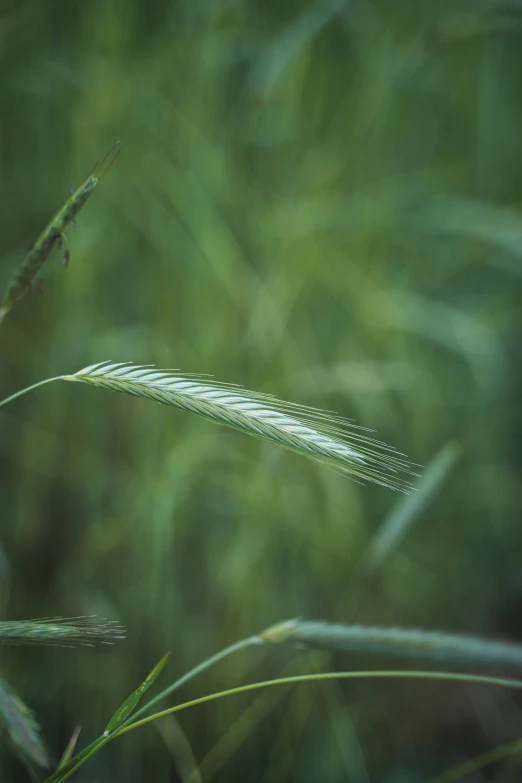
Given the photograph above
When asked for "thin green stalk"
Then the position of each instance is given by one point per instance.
(89, 751)
(28, 389)
(241, 645)
(318, 677)
(478, 679)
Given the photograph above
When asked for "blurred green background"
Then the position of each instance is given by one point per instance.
(319, 199)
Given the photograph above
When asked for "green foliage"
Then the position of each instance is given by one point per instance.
(320, 200)
(131, 702)
(320, 634)
(22, 728)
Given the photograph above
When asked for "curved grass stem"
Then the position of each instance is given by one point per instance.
(241, 645)
(28, 389)
(415, 674)
(318, 677)
(97, 744)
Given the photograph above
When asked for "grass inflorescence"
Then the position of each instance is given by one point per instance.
(321, 436)
(53, 234)
(63, 632)
(397, 642)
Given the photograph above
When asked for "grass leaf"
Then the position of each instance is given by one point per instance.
(70, 748)
(409, 510)
(131, 701)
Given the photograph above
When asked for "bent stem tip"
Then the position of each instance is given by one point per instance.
(28, 388)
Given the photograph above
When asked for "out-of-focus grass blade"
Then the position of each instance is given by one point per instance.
(462, 26)
(5, 579)
(70, 748)
(21, 726)
(476, 219)
(476, 763)
(182, 754)
(398, 642)
(131, 701)
(408, 510)
(459, 332)
(281, 51)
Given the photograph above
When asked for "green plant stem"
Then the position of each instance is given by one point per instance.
(28, 389)
(241, 645)
(378, 674)
(91, 749)
(318, 677)
(63, 774)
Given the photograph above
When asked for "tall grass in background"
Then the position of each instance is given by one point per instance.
(320, 201)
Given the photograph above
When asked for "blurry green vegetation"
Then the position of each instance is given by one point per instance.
(319, 200)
